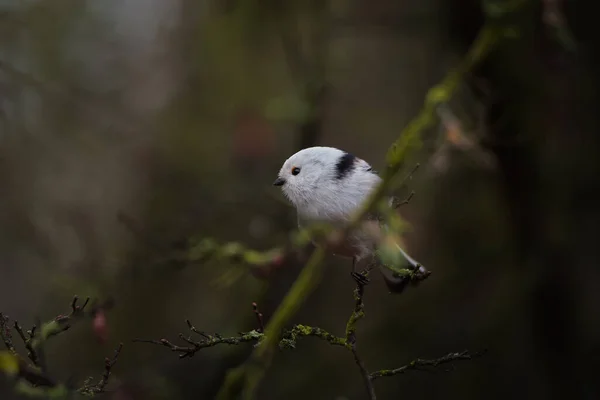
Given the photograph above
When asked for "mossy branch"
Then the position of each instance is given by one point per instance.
(248, 376)
(288, 339)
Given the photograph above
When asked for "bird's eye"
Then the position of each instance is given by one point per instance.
(295, 171)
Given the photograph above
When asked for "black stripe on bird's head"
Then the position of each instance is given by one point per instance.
(345, 165)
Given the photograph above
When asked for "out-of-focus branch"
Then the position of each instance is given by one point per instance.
(34, 338)
(554, 18)
(31, 379)
(198, 250)
(89, 389)
(27, 340)
(62, 322)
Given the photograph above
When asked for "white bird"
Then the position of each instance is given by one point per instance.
(328, 185)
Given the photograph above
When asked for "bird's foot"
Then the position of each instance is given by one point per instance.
(360, 278)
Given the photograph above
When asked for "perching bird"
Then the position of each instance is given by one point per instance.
(327, 185)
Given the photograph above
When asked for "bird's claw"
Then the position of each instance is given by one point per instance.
(360, 278)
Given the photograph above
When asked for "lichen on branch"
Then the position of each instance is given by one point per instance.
(288, 339)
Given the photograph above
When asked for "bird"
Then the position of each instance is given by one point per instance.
(328, 185)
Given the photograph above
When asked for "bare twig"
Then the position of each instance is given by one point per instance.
(207, 341)
(357, 314)
(365, 374)
(406, 200)
(419, 363)
(27, 339)
(109, 363)
(404, 182)
(259, 318)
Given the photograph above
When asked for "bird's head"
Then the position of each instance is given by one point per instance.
(317, 173)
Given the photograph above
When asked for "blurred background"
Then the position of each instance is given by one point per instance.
(129, 127)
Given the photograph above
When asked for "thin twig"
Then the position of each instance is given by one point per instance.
(365, 374)
(403, 183)
(405, 201)
(259, 317)
(418, 363)
(207, 341)
(357, 314)
(108, 364)
(27, 340)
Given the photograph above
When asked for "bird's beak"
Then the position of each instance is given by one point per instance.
(279, 182)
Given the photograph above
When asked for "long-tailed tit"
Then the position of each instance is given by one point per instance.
(328, 185)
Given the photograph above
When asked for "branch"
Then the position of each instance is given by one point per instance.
(419, 363)
(357, 314)
(200, 250)
(91, 390)
(27, 340)
(207, 341)
(61, 323)
(31, 379)
(365, 374)
(288, 339)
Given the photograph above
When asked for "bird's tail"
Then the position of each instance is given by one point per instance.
(396, 281)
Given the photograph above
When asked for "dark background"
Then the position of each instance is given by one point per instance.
(178, 114)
